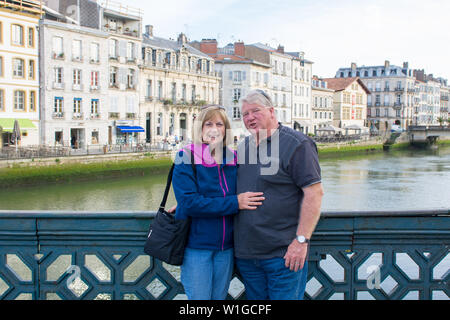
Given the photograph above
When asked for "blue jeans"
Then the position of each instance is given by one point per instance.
(206, 274)
(269, 279)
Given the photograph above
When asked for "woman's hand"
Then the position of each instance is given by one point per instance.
(250, 200)
(172, 210)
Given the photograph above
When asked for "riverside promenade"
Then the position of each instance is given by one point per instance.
(48, 255)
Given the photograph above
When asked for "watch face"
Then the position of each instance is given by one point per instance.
(301, 239)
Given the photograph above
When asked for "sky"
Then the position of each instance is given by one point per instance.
(332, 33)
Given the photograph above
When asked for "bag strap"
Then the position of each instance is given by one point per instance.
(169, 181)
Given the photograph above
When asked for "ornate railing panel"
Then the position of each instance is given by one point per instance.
(85, 255)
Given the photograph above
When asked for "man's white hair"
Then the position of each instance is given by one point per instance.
(258, 97)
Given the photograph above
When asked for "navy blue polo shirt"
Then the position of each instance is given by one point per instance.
(280, 166)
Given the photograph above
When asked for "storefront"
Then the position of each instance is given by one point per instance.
(127, 133)
(7, 124)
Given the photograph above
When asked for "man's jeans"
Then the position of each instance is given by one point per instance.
(206, 274)
(269, 279)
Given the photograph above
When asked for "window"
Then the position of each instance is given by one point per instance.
(31, 72)
(113, 48)
(77, 105)
(1, 32)
(160, 88)
(30, 37)
(236, 94)
(77, 76)
(19, 100)
(32, 100)
(94, 106)
(183, 92)
(1, 66)
(130, 79)
(358, 114)
(95, 52)
(58, 47)
(130, 51)
(113, 77)
(58, 73)
(345, 113)
(76, 50)
(2, 100)
(236, 113)
(94, 79)
(17, 35)
(159, 124)
(58, 105)
(18, 68)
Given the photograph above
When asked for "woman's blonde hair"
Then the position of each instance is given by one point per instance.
(208, 112)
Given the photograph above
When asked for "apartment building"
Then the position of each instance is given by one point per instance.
(176, 81)
(281, 90)
(392, 93)
(322, 104)
(349, 102)
(19, 71)
(89, 70)
(302, 114)
(123, 25)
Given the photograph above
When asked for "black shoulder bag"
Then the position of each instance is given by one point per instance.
(167, 236)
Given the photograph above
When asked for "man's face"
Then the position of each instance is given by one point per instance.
(257, 117)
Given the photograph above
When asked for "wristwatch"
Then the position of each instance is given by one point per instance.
(302, 239)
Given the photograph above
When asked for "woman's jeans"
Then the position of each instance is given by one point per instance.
(269, 279)
(206, 274)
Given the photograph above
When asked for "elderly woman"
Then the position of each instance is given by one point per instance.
(208, 196)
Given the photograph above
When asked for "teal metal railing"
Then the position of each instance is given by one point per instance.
(99, 255)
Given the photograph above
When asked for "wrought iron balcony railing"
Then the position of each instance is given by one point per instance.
(86, 255)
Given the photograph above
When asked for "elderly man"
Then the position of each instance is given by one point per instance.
(271, 242)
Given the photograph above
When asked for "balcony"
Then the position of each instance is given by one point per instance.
(353, 256)
(94, 88)
(58, 85)
(58, 115)
(77, 87)
(94, 116)
(58, 55)
(77, 116)
(399, 89)
(113, 115)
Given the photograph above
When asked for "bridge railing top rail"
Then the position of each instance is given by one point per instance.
(47, 214)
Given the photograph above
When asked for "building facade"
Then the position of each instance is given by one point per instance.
(89, 70)
(302, 115)
(19, 71)
(281, 89)
(349, 102)
(322, 104)
(392, 93)
(176, 81)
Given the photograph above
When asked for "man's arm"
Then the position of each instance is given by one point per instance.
(309, 216)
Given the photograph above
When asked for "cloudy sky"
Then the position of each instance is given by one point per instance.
(332, 33)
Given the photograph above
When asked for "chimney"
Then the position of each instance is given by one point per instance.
(149, 30)
(280, 49)
(353, 66)
(239, 48)
(208, 46)
(387, 64)
(182, 39)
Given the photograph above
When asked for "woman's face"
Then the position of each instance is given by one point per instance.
(213, 130)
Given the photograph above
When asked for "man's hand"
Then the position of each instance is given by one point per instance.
(250, 200)
(296, 255)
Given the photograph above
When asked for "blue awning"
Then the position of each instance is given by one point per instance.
(131, 129)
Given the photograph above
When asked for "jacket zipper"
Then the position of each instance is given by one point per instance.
(224, 194)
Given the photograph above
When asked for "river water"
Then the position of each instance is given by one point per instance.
(397, 180)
